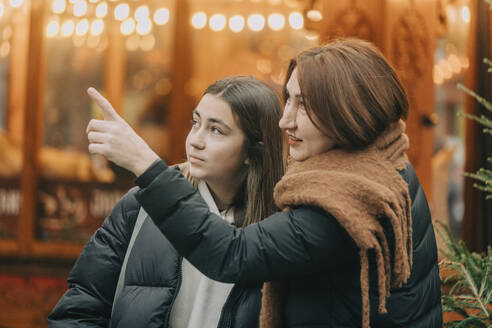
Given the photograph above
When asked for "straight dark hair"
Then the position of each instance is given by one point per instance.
(258, 110)
(351, 92)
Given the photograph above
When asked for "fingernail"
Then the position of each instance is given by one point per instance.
(91, 90)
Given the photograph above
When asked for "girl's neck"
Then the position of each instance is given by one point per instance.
(223, 193)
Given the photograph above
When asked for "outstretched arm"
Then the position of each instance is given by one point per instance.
(297, 242)
(301, 241)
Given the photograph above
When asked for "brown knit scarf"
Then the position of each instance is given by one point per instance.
(357, 188)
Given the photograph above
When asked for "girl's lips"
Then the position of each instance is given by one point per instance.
(194, 159)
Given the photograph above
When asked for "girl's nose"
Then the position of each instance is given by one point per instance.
(196, 139)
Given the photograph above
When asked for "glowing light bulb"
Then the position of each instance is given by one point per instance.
(142, 13)
(132, 43)
(127, 26)
(445, 69)
(236, 23)
(161, 16)
(147, 43)
(455, 64)
(437, 75)
(296, 20)
(311, 36)
(58, 6)
(97, 27)
(7, 33)
(256, 22)
(276, 21)
(465, 14)
(199, 20)
(82, 27)
(144, 27)
(80, 8)
(67, 28)
(122, 11)
(16, 3)
(4, 49)
(52, 29)
(102, 10)
(217, 22)
(314, 15)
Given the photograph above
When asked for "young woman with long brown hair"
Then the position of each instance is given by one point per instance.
(354, 245)
(234, 161)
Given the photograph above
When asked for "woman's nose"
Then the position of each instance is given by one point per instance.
(288, 119)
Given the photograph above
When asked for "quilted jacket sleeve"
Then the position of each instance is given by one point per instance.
(92, 281)
(301, 241)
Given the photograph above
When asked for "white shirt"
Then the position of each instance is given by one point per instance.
(200, 300)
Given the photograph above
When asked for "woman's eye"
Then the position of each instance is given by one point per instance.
(302, 106)
(216, 131)
(194, 123)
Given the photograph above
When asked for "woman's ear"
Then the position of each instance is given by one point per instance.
(246, 161)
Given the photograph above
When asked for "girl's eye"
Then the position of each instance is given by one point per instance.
(216, 131)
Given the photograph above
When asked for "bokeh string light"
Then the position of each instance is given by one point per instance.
(83, 18)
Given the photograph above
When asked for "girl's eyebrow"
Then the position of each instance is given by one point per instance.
(213, 120)
(219, 121)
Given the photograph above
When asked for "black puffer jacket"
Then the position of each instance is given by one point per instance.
(152, 280)
(305, 247)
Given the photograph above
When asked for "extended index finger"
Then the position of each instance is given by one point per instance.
(107, 109)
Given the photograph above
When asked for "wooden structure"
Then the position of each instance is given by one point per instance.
(404, 30)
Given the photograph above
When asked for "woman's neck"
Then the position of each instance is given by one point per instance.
(223, 193)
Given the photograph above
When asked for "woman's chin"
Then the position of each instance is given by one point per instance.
(298, 156)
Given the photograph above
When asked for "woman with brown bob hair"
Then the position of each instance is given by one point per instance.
(354, 244)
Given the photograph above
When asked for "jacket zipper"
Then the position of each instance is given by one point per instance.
(178, 286)
(225, 320)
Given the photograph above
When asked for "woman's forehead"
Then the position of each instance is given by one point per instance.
(293, 83)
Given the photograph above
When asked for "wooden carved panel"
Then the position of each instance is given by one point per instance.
(354, 18)
(411, 53)
(409, 39)
(355, 22)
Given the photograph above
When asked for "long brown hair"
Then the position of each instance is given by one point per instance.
(258, 110)
(352, 93)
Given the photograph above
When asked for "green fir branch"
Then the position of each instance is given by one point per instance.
(483, 120)
(472, 286)
(480, 99)
(470, 294)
